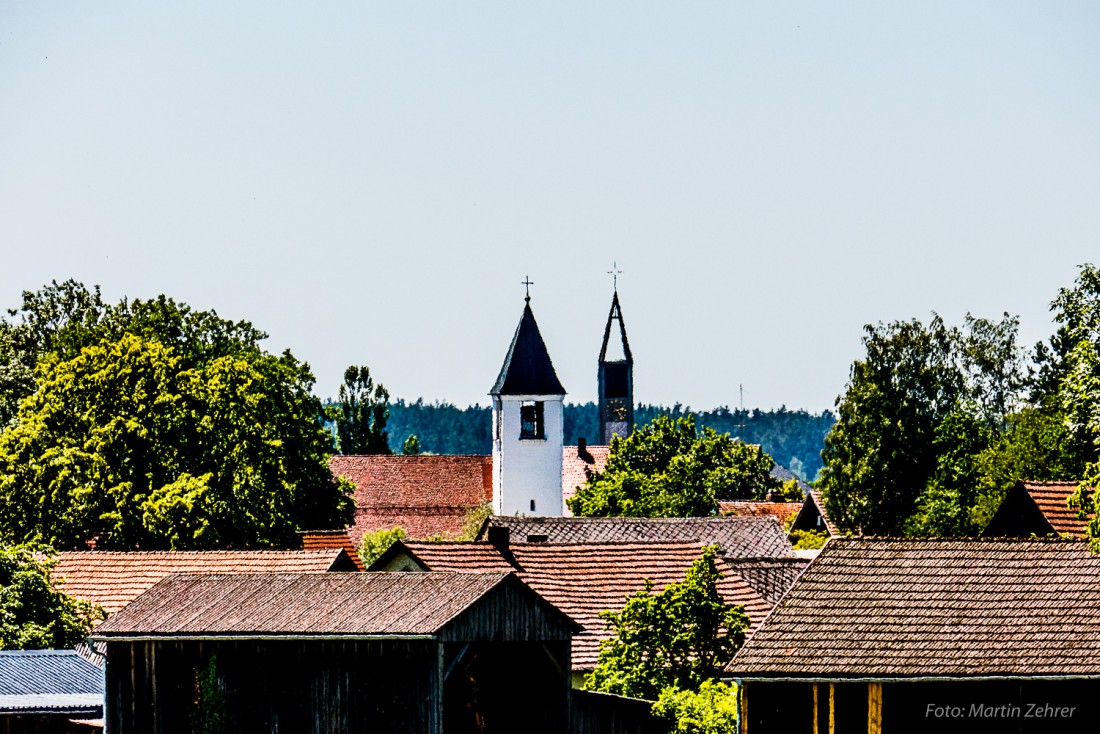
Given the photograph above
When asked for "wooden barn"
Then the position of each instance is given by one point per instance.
(947, 635)
(379, 652)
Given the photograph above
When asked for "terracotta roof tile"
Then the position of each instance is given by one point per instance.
(584, 579)
(313, 540)
(1052, 498)
(306, 604)
(744, 537)
(112, 579)
(881, 608)
(425, 495)
(577, 467)
(783, 512)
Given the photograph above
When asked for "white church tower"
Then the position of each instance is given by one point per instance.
(527, 427)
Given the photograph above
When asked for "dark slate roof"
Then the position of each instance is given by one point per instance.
(302, 604)
(49, 682)
(527, 369)
(738, 537)
(882, 608)
(584, 580)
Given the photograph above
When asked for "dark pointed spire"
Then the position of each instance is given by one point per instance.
(527, 369)
(616, 314)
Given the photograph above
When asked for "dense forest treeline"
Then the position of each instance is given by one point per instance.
(794, 438)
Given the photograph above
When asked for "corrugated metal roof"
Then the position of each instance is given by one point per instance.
(58, 681)
(883, 608)
(381, 604)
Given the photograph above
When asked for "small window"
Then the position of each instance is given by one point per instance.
(530, 421)
(538, 538)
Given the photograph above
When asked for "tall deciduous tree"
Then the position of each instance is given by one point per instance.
(1077, 310)
(917, 410)
(147, 424)
(361, 414)
(669, 469)
(678, 637)
(34, 614)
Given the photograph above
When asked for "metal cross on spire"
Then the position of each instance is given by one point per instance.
(527, 283)
(614, 272)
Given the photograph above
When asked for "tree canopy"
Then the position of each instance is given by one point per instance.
(669, 469)
(148, 425)
(361, 413)
(937, 422)
(676, 638)
(33, 614)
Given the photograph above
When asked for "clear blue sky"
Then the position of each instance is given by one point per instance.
(369, 182)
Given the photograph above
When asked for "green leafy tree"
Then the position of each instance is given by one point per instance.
(669, 469)
(62, 319)
(710, 710)
(678, 637)
(34, 614)
(412, 446)
(1037, 443)
(1077, 310)
(808, 539)
(361, 414)
(373, 545)
(127, 445)
(917, 409)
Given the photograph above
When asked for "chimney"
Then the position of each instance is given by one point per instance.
(499, 536)
(582, 445)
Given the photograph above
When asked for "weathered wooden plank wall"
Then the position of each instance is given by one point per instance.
(348, 686)
(598, 713)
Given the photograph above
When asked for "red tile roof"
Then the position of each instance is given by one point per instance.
(313, 540)
(112, 579)
(583, 580)
(303, 604)
(577, 467)
(882, 608)
(1052, 498)
(784, 512)
(426, 495)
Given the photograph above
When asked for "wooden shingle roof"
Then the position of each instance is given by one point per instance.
(112, 579)
(425, 495)
(743, 537)
(584, 579)
(882, 608)
(353, 604)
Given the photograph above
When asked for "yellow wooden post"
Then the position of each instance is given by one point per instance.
(744, 723)
(874, 708)
(832, 708)
(815, 709)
